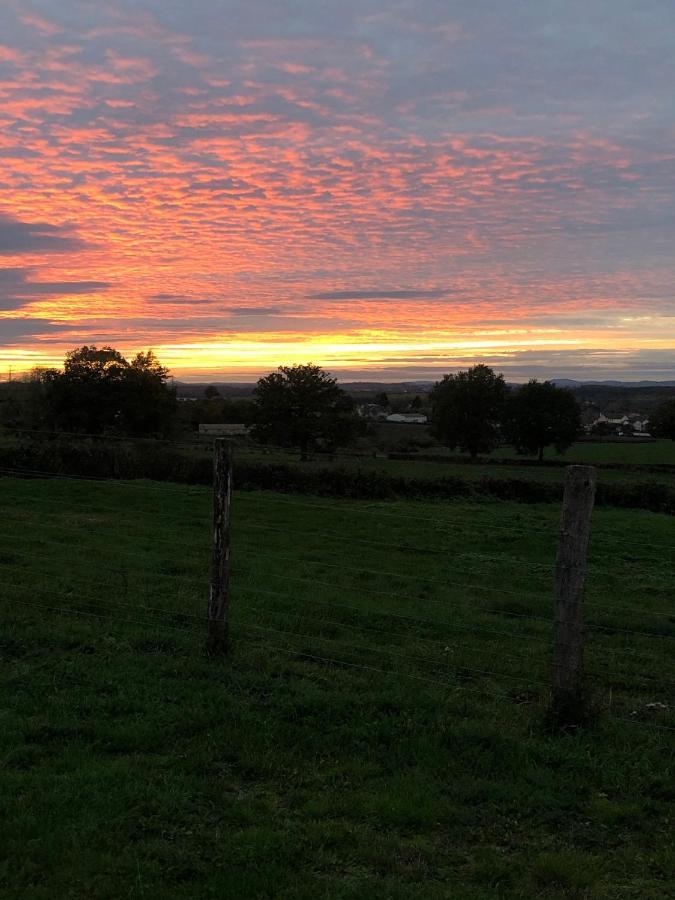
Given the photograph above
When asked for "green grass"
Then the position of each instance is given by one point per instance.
(380, 729)
(638, 453)
(427, 469)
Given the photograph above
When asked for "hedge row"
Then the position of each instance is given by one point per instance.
(526, 462)
(168, 464)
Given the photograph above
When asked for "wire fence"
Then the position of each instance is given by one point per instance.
(459, 598)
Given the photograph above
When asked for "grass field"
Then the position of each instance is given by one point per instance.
(632, 455)
(380, 729)
(426, 469)
(639, 453)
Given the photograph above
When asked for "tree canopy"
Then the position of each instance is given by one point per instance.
(302, 406)
(538, 415)
(662, 420)
(467, 409)
(99, 391)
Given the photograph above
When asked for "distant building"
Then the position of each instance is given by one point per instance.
(621, 426)
(372, 411)
(224, 430)
(408, 418)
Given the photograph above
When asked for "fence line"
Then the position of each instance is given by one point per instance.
(167, 485)
(111, 611)
(303, 655)
(544, 568)
(199, 490)
(188, 578)
(305, 628)
(246, 588)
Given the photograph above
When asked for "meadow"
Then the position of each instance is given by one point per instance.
(498, 465)
(620, 464)
(380, 729)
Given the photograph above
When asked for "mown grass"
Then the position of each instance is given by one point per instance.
(380, 728)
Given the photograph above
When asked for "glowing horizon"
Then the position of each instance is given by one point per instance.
(391, 190)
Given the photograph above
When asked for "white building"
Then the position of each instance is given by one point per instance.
(222, 429)
(407, 418)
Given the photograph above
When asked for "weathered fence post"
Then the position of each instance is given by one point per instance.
(568, 701)
(218, 611)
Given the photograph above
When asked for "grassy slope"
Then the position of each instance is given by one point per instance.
(134, 767)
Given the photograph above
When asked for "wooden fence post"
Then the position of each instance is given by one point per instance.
(568, 701)
(218, 611)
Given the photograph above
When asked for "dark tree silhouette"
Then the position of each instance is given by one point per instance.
(149, 403)
(603, 429)
(382, 399)
(662, 420)
(467, 409)
(538, 415)
(302, 406)
(99, 391)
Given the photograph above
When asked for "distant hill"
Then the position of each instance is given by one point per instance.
(229, 389)
(240, 389)
(622, 399)
(193, 390)
(571, 383)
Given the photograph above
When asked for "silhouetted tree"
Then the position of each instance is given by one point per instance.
(99, 391)
(302, 406)
(467, 409)
(211, 392)
(382, 399)
(148, 402)
(662, 420)
(538, 415)
(603, 429)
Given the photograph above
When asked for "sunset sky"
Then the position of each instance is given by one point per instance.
(390, 189)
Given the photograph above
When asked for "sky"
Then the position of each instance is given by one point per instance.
(393, 190)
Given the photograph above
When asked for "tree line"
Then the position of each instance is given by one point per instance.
(98, 391)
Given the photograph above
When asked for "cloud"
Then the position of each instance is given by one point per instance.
(15, 328)
(176, 300)
(380, 295)
(17, 289)
(17, 237)
(258, 310)
(275, 168)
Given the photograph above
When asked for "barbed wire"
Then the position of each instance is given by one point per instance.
(187, 488)
(121, 438)
(530, 659)
(338, 508)
(475, 628)
(640, 723)
(187, 577)
(141, 483)
(185, 629)
(93, 507)
(113, 612)
(519, 561)
(112, 609)
(119, 574)
(106, 610)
